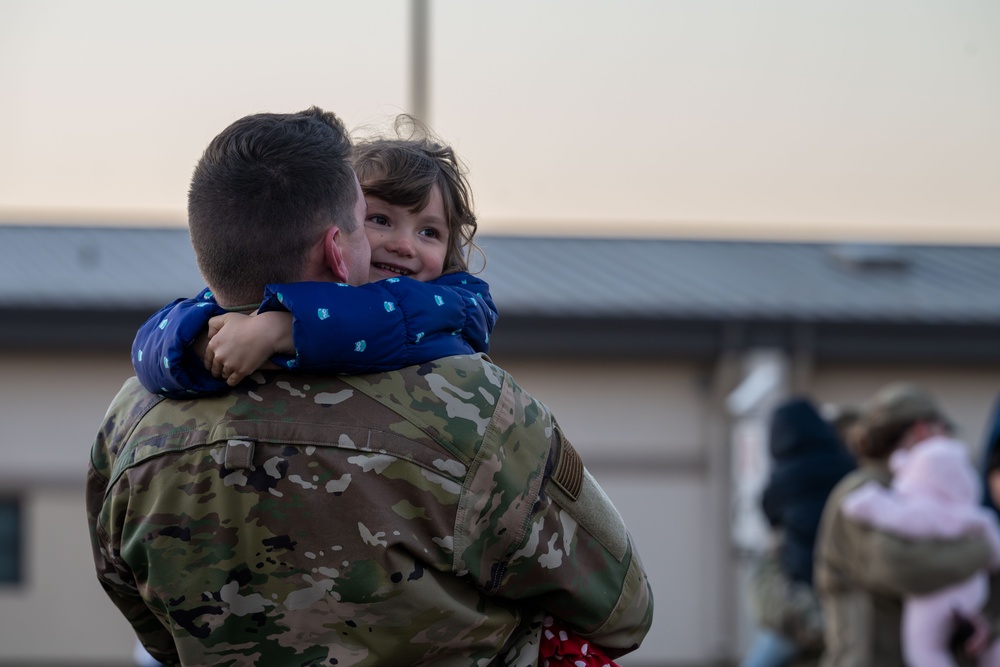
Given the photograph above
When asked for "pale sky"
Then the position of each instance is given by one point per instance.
(846, 119)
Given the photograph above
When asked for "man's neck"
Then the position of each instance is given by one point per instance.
(248, 308)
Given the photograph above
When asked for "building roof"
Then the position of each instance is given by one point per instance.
(546, 287)
(676, 279)
(95, 267)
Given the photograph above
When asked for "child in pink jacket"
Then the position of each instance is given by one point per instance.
(935, 494)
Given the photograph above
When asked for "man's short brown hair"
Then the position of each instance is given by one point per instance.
(263, 193)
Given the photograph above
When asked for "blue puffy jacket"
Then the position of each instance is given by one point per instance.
(991, 456)
(337, 328)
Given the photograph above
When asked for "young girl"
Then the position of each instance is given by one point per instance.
(935, 494)
(422, 306)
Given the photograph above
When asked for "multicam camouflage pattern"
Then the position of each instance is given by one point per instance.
(429, 516)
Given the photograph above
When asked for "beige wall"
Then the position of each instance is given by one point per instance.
(51, 406)
(61, 612)
(629, 410)
(653, 434)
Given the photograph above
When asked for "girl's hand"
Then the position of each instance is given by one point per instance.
(240, 344)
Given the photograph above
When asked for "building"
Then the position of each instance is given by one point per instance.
(660, 358)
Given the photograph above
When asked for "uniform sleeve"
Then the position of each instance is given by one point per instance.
(897, 566)
(162, 354)
(581, 565)
(120, 587)
(919, 567)
(113, 575)
(536, 526)
(382, 326)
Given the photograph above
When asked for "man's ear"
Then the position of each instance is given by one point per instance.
(334, 257)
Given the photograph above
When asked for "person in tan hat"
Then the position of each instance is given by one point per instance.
(863, 574)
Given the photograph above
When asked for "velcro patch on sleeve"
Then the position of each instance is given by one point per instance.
(568, 474)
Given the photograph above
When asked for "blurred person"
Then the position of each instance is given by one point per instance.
(862, 574)
(420, 224)
(991, 462)
(935, 494)
(808, 460)
(844, 419)
(431, 515)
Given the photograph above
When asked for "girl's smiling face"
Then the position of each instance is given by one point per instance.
(405, 242)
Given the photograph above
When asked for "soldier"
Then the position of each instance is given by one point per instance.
(862, 573)
(431, 515)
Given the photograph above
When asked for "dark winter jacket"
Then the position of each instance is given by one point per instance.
(991, 455)
(808, 460)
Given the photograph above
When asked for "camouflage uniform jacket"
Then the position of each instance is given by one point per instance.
(427, 516)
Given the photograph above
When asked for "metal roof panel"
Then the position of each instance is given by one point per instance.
(553, 277)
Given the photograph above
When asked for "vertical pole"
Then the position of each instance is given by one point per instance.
(419, 57)
(721, 604)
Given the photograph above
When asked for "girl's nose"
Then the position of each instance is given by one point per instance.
(401, 244)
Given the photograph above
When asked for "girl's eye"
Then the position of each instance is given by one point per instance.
(430, 232)
(378, 219)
